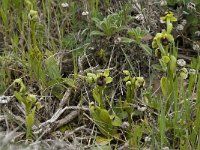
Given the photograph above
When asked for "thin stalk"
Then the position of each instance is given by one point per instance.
(101, 96)
(33, 34)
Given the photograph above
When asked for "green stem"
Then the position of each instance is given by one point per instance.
(169, 26)
(33, 34)
(161, 48)
(101, 96)
(128, 95)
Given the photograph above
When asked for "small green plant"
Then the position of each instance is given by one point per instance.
(135, 36)
(132, 85)
(110, 25)
(175, 93)
(107, 123)
(31, 105)
(100, 80)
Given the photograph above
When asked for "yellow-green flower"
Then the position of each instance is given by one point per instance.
(168, 16)
(100, 78)
(160, 37)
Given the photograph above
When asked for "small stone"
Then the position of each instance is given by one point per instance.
(85, 13)
(64, 5)
(197, 33)
(184, 22)
(147, 139)
(191, 6)
(180, 27)
(192, 71)
(195, 46)
(142, 109)
(165, 148)
(181, 62)
(163, 3)
(139, 17)
(125, 125)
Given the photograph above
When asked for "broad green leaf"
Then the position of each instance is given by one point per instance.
(96, 95)
(109, 80)
(116, 121)
(164, 85)
(102, 140)
(94, 76)
(173, 63)
(147, 49)
(53, 68)
(102, 119)
(70, 82)
(126, 40)
(106, 72)
(105, 117)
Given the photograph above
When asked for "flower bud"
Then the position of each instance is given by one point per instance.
(166, 59)
(33, 15)
(184, 73)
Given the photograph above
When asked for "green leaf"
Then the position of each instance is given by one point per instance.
(53, 68)
(109, 80)
(164, 85)
(105, 117)
(94, 76)
(96, 95)
(126, 40)
(19, 97)
(147, 49)
(106, 72)
(97, 33)
(70, 82)
(30, 122)
(103, 141)
(102, 119)
(173, 63)
(116, 121)
(157, 67)
(102, 147)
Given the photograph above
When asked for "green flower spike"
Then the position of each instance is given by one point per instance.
(168, 18)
